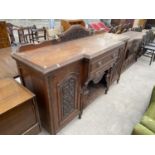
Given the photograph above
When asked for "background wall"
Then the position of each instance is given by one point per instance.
(38, 22)
(29, 22)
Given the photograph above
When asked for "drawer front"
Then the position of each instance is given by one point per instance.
(18, 120)
(104, 61)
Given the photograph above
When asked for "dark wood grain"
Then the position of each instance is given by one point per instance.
(4, 38)
(8, 67)
(18, 110)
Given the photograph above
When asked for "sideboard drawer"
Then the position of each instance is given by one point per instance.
(103, 61)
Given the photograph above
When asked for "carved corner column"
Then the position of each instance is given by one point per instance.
(84, 93)
(108, 79)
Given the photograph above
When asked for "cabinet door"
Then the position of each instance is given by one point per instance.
(66, 94)
(68, 98)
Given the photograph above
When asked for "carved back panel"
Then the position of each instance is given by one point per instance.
(74, 32)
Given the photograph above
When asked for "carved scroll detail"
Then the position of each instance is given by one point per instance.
(74, 32)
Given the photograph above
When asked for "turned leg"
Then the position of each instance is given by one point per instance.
(80, 114)
(108, 79)
(118, 80)
(106, 90)
(154, 56)
(119, 77)
(81, 107)
(84, 92)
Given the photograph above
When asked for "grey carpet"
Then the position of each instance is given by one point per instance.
(119, 110)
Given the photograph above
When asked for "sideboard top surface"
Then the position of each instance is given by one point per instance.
(51, 57)
(55, 56)
(135, 35)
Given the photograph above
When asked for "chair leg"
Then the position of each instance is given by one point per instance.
(33, 37)
(152, 57)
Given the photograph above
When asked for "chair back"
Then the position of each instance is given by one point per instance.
(24, 35)
(151, 35)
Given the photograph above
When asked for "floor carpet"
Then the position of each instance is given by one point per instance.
(117, 112)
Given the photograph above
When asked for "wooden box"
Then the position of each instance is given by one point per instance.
(18, 111)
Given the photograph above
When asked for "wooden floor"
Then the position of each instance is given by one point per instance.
(8, 67)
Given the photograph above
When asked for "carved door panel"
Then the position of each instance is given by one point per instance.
(68, 97)
(66, 94)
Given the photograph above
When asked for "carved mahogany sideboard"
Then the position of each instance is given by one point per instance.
(59, 74)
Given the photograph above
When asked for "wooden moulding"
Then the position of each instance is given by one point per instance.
(74, 32)
(62, 54)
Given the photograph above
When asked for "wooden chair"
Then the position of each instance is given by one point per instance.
(11, 28)
(10, 32)
(149, 52)
(148, 46)
(24, 35)
(36, 33)
(31, 34)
